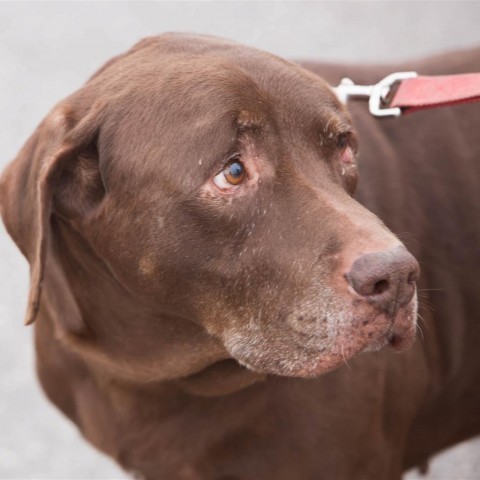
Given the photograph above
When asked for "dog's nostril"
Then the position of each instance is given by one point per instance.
(380, 287)
(412, 276)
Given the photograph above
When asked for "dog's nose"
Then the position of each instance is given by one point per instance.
(386, 279)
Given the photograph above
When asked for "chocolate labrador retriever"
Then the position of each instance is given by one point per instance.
(200, 270)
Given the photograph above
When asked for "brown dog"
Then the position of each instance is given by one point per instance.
(188, 220)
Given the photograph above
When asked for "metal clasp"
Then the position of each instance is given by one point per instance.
(376, 93)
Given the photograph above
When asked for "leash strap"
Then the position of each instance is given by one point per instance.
(423, 92)
(414, 92)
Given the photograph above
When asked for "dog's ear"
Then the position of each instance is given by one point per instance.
(57, 168)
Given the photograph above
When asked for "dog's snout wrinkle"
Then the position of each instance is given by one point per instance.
(386, 279)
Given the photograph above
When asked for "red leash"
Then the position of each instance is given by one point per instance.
(421, 92)
(414, 92)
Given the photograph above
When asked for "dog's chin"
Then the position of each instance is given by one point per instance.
(310, 357)
(311, 364)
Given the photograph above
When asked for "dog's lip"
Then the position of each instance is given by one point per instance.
(399, 336)
(404, 328)
(400, 342)
(397, 332)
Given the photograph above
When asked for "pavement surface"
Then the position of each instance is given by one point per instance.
(47, 50)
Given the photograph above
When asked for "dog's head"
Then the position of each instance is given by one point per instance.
(214, 183)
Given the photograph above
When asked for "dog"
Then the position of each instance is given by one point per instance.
(212, 294)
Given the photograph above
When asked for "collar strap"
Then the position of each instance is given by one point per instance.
(406, 92)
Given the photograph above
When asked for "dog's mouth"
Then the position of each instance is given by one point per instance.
(392, 338)
(397, 339)
(309, 346)
(399, 342)
(400, 331)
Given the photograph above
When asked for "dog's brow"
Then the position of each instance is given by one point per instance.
(247, 120)
(335, 126)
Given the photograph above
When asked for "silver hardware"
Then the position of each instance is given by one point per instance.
(375, 93)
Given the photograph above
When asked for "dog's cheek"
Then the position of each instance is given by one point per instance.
(350, 180)
(274, 334)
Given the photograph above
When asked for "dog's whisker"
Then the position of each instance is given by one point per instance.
(423, 321)
(345, 361)
(432, 289)
(420, 328)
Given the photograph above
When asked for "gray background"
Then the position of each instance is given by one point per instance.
(48, 49)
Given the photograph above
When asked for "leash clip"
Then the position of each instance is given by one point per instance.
(376, 93)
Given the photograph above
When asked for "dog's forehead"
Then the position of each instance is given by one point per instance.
(200, 70)
(188, 105)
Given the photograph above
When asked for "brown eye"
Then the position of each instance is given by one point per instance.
(234, 172)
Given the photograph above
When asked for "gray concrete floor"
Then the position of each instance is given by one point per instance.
(48, 49)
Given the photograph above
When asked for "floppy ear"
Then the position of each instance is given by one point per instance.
(48, 167)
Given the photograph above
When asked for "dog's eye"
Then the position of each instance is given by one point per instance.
(343, 140)
(233, 174)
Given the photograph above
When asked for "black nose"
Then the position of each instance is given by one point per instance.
(386, 279)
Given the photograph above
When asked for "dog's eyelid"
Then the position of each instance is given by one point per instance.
(222, 162)
(346, 139)
(353, 142)
(233, 156)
